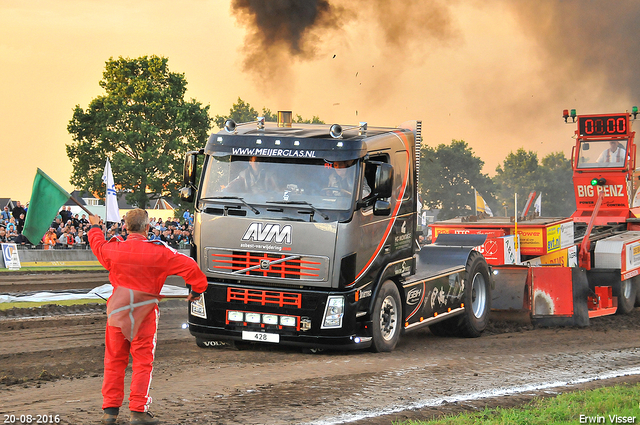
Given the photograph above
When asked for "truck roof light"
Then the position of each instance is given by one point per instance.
(340, 144)
(278, 142)
(296, 143)
(565, 114)
(573, 113)
(634, 111)
(598, 181)
(259, 142)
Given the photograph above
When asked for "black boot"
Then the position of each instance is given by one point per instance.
(143, 418)
(110, 415)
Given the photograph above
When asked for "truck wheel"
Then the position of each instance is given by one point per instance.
(476, 298)
(386, 318)
(627, 297)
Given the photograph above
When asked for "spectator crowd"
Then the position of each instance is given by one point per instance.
(69, 231)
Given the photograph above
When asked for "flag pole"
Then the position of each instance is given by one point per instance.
(81, 206)
(475, 201)
(516, 220)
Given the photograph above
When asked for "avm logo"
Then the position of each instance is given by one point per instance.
(261, 232)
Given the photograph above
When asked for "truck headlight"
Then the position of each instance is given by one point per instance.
(270, 319)
(334, 312)
(235, 316)
(287, 320)
(252, 317)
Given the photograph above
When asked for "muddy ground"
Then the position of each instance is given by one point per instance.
(52, 365)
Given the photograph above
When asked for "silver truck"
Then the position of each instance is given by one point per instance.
(308, 237)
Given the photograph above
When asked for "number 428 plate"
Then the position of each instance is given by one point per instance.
(260, 337)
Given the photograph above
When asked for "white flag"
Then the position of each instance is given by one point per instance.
(537, 206)
(111, 200)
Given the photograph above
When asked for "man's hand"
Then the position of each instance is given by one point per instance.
(191, 297)
(94, 219)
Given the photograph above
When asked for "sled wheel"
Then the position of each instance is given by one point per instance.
(386, 318)
(476, 298)
(627, 298)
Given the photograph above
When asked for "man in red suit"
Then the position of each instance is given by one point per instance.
(137, 269)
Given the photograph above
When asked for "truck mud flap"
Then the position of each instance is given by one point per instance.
(448, 254)
(551, 296)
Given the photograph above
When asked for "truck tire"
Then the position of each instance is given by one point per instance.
(627, 297)
(387, 318)
(476, 297)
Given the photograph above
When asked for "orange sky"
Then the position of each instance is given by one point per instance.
(496, 75)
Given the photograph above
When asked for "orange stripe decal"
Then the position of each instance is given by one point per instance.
(387, 231)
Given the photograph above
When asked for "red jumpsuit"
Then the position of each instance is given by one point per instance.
(140, 265)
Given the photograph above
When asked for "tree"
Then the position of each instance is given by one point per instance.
(242, 112)
(552, 178)
(520, 173)
(142, 124)
(448, 176)
(314, 120)
(558, 199)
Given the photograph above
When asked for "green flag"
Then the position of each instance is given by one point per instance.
(46, 199)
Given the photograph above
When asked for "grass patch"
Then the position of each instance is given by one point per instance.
(602, 405)
(23, 304)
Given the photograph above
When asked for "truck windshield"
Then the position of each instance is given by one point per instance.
(325, 185)
(602, 153)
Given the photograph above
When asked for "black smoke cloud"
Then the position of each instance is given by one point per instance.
(279, 31)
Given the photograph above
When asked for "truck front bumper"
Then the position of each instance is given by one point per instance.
(288, 317)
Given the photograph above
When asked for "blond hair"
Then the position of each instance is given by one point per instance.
(136, 220)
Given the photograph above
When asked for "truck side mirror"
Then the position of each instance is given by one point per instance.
(187, 193)
(189, 171)
(384, 180)
(381, 207)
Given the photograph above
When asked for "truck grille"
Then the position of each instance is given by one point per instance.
(267, 265)
(256, 296)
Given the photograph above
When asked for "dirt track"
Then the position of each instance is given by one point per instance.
(53, 366)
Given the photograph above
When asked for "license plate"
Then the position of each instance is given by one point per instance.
(260, 337)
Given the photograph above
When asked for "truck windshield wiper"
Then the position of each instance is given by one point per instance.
(215, 198)
(323, 215)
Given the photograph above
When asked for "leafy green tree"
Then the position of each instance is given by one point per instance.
(556, 187)
(269, 116)
(448, 176)
(314, 120)
(520, 173)
(142, 124)
(241, 112)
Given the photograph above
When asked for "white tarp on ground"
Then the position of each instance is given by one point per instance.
(103, 291)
